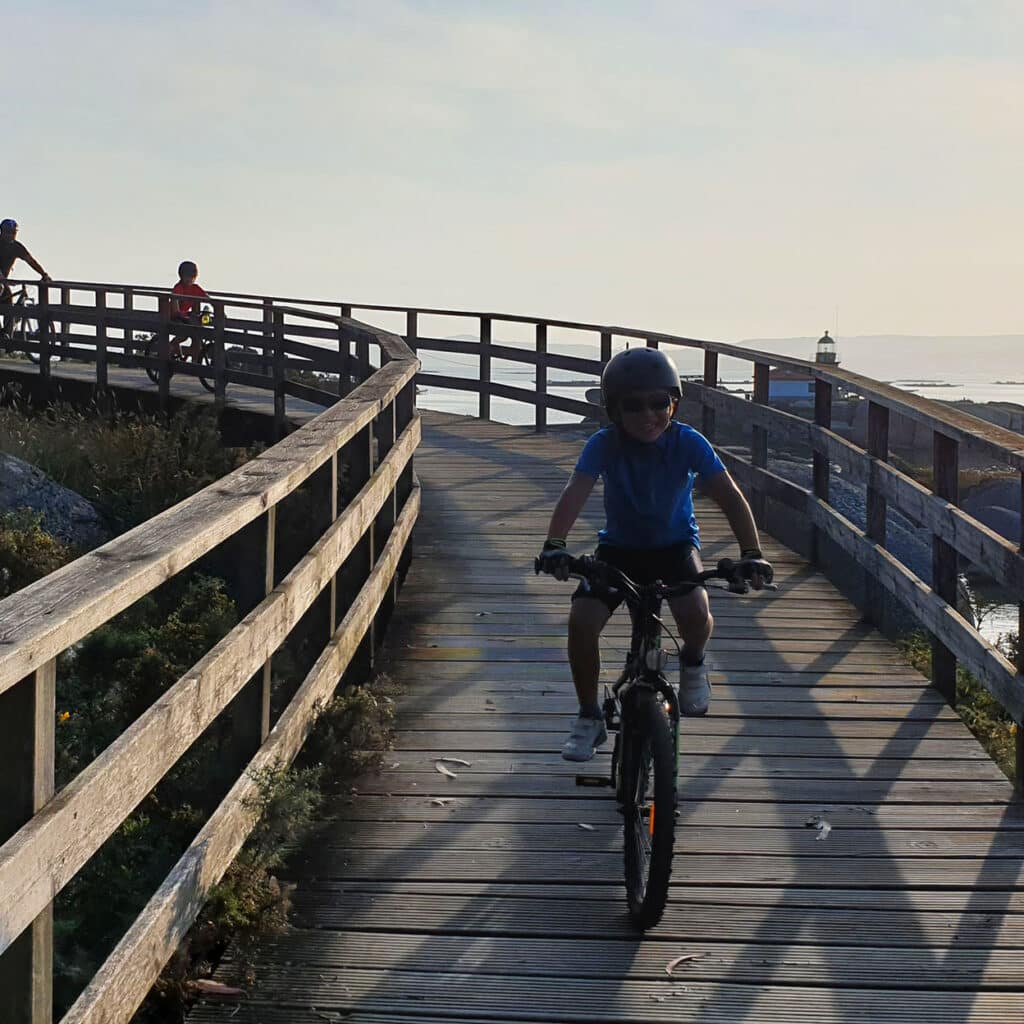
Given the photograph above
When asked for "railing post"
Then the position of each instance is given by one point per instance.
(707, 412)
(1018, 771)
(128, 346)
(359, 458)
(386, 432)
(485, 368)
(759, 444)
(540, 420)
(946, 471)
(279, 395)
(606, 346)
(268, 334)
(65, 301)
(344, 363)
(411, 328)
(220, 362)
(822, 418)
(652, 342)
(163, 350)
(43, 330)
(249, 710)
(101, 340)
(27, 723)
(878, 448)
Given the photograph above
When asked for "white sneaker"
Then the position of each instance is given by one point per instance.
(586, 736)
(694, 690)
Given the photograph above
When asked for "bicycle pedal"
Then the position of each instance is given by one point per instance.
(593, 780)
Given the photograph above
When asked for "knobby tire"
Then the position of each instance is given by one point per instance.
(648, 785)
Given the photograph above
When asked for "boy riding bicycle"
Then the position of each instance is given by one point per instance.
(181, 309)
(648, 462)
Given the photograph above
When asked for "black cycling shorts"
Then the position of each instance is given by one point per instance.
(673, 564)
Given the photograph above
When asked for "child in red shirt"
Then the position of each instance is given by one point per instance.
(181, 309)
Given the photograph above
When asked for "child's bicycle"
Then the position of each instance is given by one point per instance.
(642, 711)
(24, 327)
(150, 349)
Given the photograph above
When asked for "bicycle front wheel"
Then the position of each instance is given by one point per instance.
(649, 807)
(207, 377)
(151, 351)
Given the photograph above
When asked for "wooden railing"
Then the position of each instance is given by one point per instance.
(955, 535)
(291, 334)
(353, 555)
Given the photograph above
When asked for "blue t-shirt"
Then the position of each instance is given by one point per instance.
(648, 488)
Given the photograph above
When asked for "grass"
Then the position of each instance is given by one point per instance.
(980, 711)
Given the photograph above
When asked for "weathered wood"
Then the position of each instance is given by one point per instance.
(99, 585)
(220, 382)
(985, 661)
(46, 853)
(710, 381)
(540, 421)
(101, 340)
(878, 449)
(822, 418)
(485, 368)
(945, 566)
(121, 984)
(27, 717)
(759, 441)
(43, 321)
(280, 402)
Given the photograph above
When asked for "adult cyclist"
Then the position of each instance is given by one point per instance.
(11, 250)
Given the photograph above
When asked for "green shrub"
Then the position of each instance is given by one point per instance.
(131, 466)
(27, 551)
(980, 711)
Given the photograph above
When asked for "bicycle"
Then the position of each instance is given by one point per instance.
(641, 710)
(25, 327)
(151, 352)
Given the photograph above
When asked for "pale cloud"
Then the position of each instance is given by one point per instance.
(722, 169)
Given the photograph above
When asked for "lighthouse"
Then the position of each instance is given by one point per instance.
(826, 351)
(797, 386)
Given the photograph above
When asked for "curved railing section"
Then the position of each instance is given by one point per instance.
(259, 341)
(351, 563)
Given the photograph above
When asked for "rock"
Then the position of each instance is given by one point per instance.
(65, 514)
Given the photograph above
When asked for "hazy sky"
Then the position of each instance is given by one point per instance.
(719, 169)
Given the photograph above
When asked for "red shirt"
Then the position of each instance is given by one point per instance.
(183, 310)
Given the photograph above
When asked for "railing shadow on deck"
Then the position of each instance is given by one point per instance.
(780, 925)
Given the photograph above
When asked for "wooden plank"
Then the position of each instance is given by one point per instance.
(48, 851)
(99, 585)
(121, 984)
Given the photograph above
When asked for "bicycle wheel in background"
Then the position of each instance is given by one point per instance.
(206, 376)
(649, 806)
(26, 332)
(151, 351)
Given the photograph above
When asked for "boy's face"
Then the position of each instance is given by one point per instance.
(645, 415)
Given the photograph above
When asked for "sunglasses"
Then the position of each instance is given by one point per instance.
(657, 404)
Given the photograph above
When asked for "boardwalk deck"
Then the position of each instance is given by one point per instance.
(495, 905)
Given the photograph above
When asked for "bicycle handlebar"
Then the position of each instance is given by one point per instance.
(735, 573)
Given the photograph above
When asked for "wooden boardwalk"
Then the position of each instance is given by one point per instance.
(496, 895)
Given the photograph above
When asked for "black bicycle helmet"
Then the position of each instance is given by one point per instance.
(637, 369)
(8, 226)
(188, 269)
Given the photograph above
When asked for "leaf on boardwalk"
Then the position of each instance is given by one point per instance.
(818, 822)
(481, 614)
(455, 760)
(586, 828)
(444, 770)
(209, 987)
(673, 964)
(442, 801)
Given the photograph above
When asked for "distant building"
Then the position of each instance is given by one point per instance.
(795, 385)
